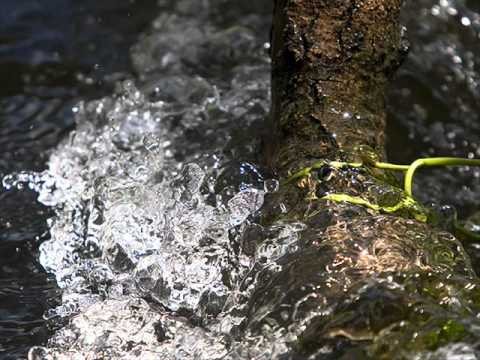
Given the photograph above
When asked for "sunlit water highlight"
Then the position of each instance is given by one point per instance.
(154, 242)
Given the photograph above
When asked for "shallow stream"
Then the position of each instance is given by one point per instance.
(131, 177)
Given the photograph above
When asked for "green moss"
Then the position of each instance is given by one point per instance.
(450, 331)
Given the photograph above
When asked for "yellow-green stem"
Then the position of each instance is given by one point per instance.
(440, 161)
(394, 167)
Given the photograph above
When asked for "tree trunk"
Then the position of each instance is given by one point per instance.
(331, 62)
(360, 283)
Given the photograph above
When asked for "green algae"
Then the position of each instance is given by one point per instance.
(450, 331)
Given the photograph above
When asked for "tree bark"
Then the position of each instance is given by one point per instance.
(363, 283)
(331, 63)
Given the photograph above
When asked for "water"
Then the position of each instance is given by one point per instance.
(153, 243)
(434, 101)
(52, 54)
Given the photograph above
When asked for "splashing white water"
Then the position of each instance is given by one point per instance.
(151, 199)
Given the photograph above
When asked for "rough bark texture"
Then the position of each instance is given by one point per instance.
(368, 284)
(331, 62)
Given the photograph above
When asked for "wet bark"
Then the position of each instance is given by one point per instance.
(331, 63)
(361, 281)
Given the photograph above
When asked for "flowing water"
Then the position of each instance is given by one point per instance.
(143, 241)
(52, 54)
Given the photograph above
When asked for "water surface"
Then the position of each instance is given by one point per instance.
(153, 199)
(52, 54)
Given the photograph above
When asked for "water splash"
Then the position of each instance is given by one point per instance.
(150, 197)
(156, 242)
(438, 90)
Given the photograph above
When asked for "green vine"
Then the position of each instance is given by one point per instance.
(408, 202)
(429, 162)
(405, 203)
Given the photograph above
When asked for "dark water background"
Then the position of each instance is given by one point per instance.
(54, 53)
